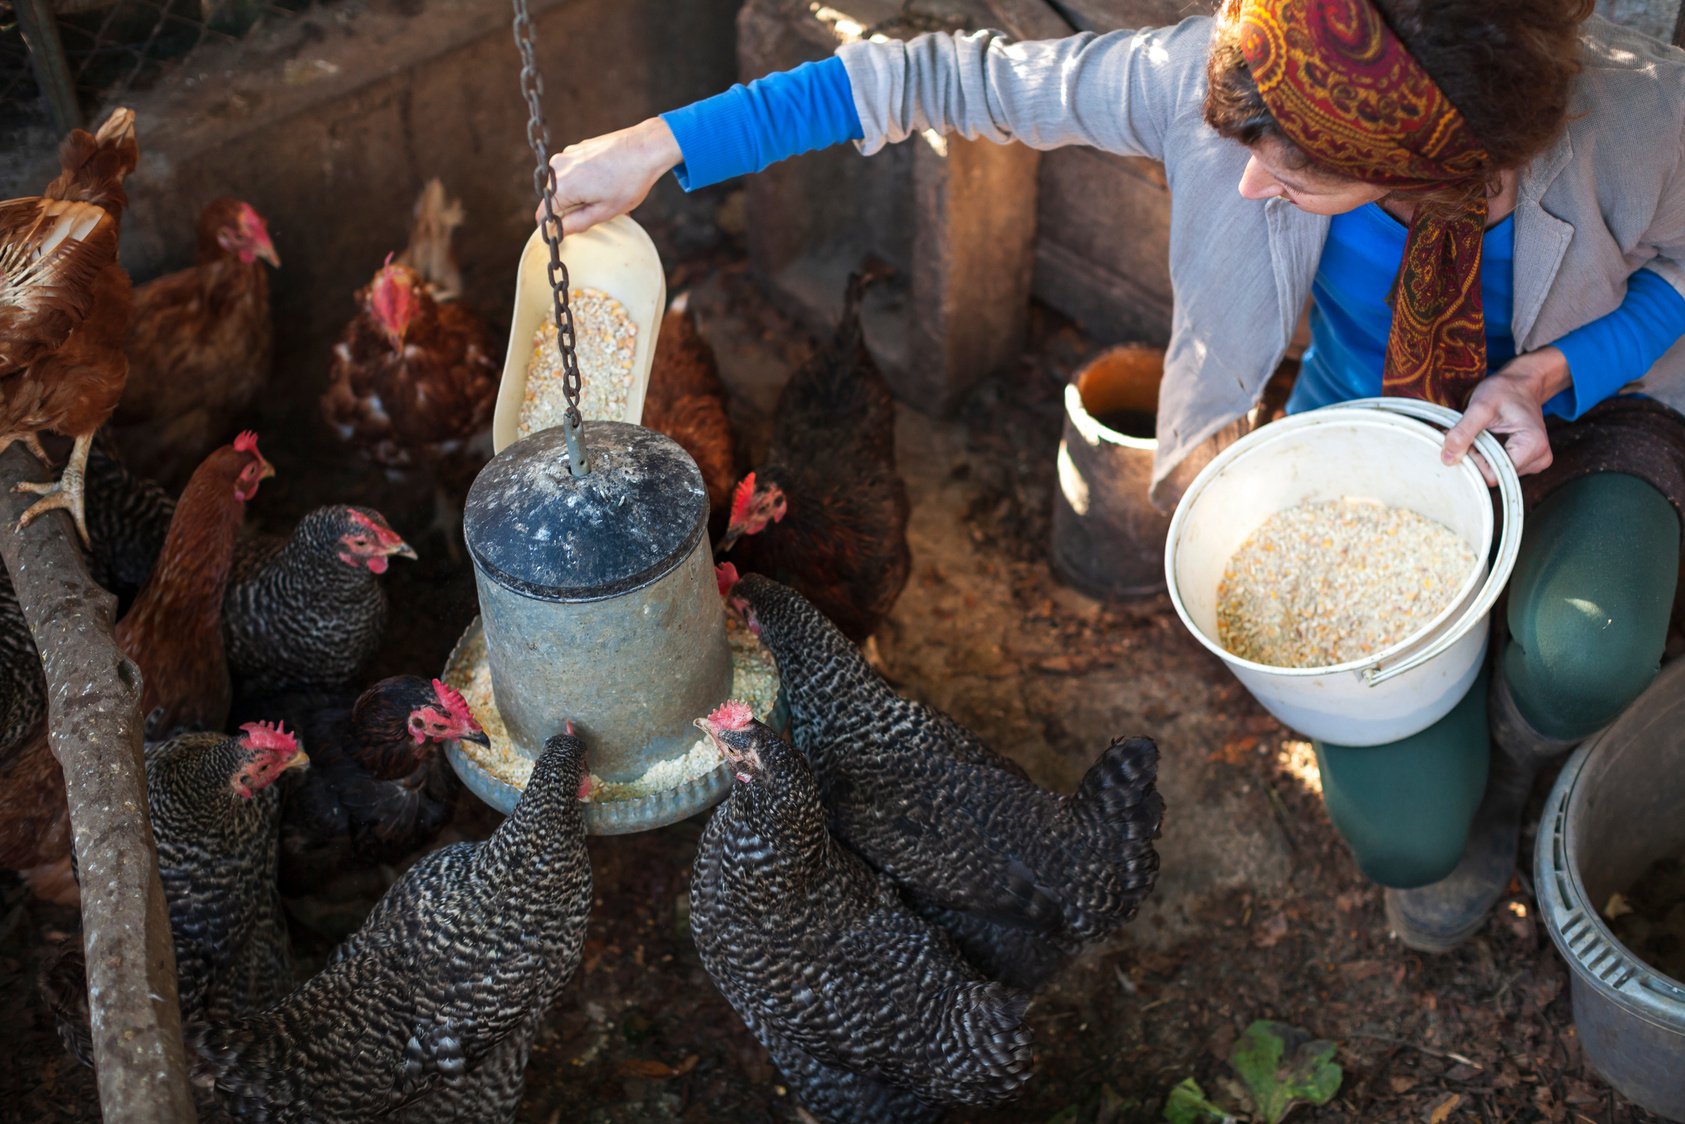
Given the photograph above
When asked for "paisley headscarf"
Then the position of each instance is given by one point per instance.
(1342, 87)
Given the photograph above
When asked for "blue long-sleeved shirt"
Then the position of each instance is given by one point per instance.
(1350, 320)
(748, 127)
(790, 112)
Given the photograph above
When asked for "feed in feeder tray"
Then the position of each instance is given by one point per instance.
(599, 606)
(1320, 584)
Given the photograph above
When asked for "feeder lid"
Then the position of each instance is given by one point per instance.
(534, 528)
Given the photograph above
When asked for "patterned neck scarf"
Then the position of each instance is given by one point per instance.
(1342, 87)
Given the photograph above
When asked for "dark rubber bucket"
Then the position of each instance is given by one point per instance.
(1617, 807)
(1108, 539)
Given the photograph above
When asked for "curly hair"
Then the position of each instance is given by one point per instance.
(1507, 65)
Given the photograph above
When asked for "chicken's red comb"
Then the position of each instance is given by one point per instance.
(383, 534)
(732, 715)
(271, 737)
(740, 498)
(451, 699)
(726, 575)
(247, 443)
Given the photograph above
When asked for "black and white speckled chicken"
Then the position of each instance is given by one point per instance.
(427, 1012)
(1020, 877)
(214, 809)
(215, 812)
(301, 610)
(34, 819)
(869, 1010)
(379, 787)
(308, 610)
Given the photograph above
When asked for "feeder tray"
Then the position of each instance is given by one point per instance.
(615, 258)
(497, 773)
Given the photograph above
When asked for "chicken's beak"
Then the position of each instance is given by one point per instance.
(266, 252)
(478, 737)
(266, 471)
(402, 549)
(301, 760)
(732, 534)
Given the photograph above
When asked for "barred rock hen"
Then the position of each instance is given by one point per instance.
(429, 1010)
(686, 401)
(1020, 877)
(65, 307)
(308, 610)
(379, 787)
(34, 819)
(214, 809)
(301, 610)
(174, 628)
(867, 1008)
(201, 347)
(826, 512)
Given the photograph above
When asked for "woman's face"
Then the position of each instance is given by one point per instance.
(1269, 175)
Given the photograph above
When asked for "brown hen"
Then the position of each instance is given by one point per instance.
(201, 347)
(174, 628)
(412, 386)
(65, 306)
(686, 401)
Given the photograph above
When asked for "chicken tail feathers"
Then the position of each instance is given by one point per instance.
(63, 985)
(1119, 792)
(429, 251)
(95, 166)
(987, 1044)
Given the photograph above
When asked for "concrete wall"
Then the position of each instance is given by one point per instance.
(332, 125)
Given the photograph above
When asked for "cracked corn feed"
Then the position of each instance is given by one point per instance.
(1323, 583)
(604, 338)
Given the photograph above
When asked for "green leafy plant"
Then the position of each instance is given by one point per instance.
(1280, 1066)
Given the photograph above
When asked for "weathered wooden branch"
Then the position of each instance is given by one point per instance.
(94, 725)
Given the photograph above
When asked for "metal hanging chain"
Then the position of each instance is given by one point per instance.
(544, 182)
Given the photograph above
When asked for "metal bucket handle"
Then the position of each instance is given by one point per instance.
(1509, 539)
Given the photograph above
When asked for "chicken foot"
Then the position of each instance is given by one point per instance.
(30, 442)
(65, 493)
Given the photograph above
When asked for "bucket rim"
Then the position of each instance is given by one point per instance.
(1090, 429)
(1575, 925)
(1280, 430)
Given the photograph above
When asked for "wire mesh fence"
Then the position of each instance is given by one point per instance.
(61, 59)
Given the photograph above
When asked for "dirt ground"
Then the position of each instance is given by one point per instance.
(1259, 912)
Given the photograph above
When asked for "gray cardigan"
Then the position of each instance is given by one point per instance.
(1607, 198)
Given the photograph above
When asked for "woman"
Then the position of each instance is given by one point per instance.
(1484, 205)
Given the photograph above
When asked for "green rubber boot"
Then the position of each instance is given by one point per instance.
(1439, 916)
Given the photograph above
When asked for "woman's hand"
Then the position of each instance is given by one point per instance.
(606, 176)
(1511, 401)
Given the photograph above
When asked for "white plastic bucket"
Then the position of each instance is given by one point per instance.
(1373, 449)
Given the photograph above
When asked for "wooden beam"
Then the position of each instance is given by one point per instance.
(46, 57)
(94, 725)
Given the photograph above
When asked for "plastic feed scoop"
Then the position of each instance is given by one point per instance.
(615, 257)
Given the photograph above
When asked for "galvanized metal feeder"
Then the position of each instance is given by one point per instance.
(597, 595)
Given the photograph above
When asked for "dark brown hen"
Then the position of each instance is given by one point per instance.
(427, 1012)
(379, 787)
(868, 1009)
(826, 511)
(1021, 877)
